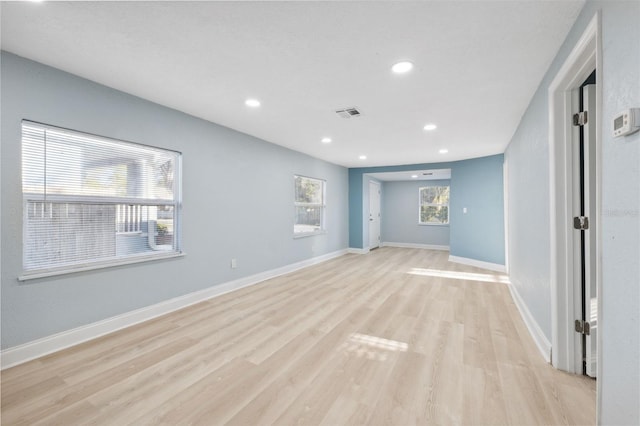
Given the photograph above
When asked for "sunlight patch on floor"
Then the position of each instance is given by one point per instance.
(372, 347)
(472, 276)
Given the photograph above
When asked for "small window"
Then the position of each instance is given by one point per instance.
(309, 206)
(90, 200)
(434, 205)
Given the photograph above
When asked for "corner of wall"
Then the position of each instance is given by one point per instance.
(542, 342)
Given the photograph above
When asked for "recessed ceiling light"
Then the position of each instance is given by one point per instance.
(430, 126)
(443, 151)
(363, 157)
(253, 103)
(414, 176)
(402, 67)
(326, 140)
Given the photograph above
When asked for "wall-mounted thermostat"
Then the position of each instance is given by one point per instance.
(626, 122)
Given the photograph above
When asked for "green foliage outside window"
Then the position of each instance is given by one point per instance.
(434, 205)
(309, 205)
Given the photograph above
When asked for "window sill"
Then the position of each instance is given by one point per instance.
(433, 224)
(131, 234)
(308, 234)
(98, 265)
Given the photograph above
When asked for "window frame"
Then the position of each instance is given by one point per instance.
(322, 206)
(116, 201)
(420, 204)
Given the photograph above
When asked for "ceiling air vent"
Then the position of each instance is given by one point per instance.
(348, 112)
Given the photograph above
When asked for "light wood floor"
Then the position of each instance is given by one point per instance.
(398, 336)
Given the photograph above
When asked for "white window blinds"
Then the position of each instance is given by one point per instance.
(90, 199)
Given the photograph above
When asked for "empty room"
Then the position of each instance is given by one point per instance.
(320, 212)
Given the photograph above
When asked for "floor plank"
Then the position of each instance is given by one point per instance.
(398, 336)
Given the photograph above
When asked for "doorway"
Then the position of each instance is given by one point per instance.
(374, 215)
(584, 213)
(566, 277)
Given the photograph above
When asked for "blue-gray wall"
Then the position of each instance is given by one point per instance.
(400, 213)
(476, 184)
(228, 179)
(527, 158)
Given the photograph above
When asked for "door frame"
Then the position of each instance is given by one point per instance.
(583, 59)
(588, 238)
(373, 182)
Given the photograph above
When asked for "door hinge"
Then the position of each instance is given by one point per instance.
(582, 327)
(581, 222)
(580, 119)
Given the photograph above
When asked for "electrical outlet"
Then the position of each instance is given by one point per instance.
(234, 263)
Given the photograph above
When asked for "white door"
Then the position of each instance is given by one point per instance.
(374, 215)
(584, 154)
(589, 169)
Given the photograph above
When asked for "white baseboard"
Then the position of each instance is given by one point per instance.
(415, 245)
(541, 341)
(35, 349)
(478, 263)
(358, 250)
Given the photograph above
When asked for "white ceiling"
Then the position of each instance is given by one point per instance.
(436, 174)
(477, 65)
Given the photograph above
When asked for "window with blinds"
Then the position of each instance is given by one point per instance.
(90, 200)
(309, 206)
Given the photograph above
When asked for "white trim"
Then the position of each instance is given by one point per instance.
(543, 344)
(598, 236)
(130, 260)
(414, 245)
(28, 351)
(505, 202)
(379, 185)
(95, 199)
(420, 222)
(323, 205)
(308, 234)
(585, 56)
(93, 135)
(478, 263)
(353, 250)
